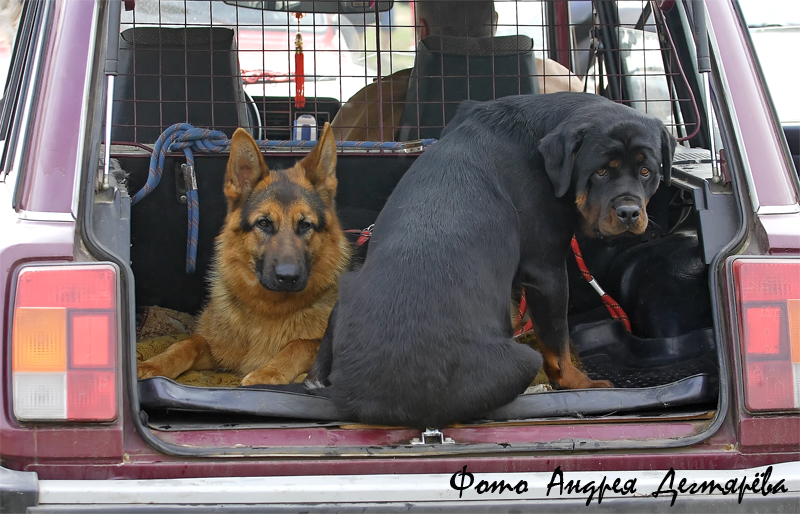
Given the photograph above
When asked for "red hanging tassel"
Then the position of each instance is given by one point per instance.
(299, 73)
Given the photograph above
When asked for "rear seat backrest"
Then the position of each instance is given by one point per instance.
(450, 69)
(174, 75)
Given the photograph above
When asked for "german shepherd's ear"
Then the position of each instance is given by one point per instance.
(668, 143)
(558, 149)
(246, 166)
(320, 165)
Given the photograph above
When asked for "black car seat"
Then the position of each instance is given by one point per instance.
(174, 75)
(450, 69)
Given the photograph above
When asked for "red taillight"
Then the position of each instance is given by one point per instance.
(91, 395)
(63, 343)
(768, 302)
(91, 334)
(770, 386)
(762, 329)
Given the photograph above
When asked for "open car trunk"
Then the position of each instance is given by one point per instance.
(667, 367)
(666, 371)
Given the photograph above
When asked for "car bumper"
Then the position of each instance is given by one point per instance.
(764, 489)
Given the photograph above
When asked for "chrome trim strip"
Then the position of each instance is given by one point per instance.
(736, 127)
(779, 209)
(87, 86)
(66, 217)
(462, 485)
(107, 141)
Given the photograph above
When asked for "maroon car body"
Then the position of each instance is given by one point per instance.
(52, 150)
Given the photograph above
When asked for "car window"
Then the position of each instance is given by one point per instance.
(9, 23)
(10, 16)
(640, 59)
(525, 18)
(343, 49)
(345, 54)
(775, 30)
(265, 43)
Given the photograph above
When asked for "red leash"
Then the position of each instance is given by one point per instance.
(528, 326)
(613, 307)
(364, 234)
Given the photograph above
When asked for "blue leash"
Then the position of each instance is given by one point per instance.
(183, 136)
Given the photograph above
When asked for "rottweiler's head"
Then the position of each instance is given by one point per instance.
(613, 163)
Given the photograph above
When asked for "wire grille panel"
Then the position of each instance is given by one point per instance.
(382, 75)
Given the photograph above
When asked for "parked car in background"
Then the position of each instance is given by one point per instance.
(705, 415)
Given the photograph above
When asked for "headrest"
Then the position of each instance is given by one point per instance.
(200, 38)
(496, 46)
(172, 75)
(448, 70)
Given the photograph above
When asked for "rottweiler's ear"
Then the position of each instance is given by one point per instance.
(558, 149)
(320, 165)
(668, 143)
(246, 166)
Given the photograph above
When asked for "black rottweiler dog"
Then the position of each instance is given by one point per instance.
(421, 335)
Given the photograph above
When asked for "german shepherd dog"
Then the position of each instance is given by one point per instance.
(421, 335)
(277, 265)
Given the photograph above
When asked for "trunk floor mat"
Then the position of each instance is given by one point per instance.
(647, 374)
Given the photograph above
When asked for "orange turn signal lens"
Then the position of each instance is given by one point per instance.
(793, 309)
(39, 339)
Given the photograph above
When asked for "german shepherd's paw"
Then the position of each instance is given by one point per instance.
(268, 376)
(147, 369)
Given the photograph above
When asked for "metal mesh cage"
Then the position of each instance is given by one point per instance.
(382, 75)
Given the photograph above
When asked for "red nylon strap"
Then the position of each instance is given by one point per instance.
(613, 307)
(528, 326)
(616, 311)
(364, 235)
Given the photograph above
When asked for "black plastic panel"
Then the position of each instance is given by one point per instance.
(649, 374)
(159, 220)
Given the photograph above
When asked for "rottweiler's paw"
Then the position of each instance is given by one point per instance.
(581, 381)
(597, 384)
(572, 378)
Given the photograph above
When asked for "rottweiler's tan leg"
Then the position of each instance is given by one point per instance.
(296, 358)
(561, 371)
(546, 291)
(192, 353)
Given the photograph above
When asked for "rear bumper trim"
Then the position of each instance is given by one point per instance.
(651, 488)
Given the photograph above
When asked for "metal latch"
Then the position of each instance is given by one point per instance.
(432, 436)
(185, 180)
(413, 146)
